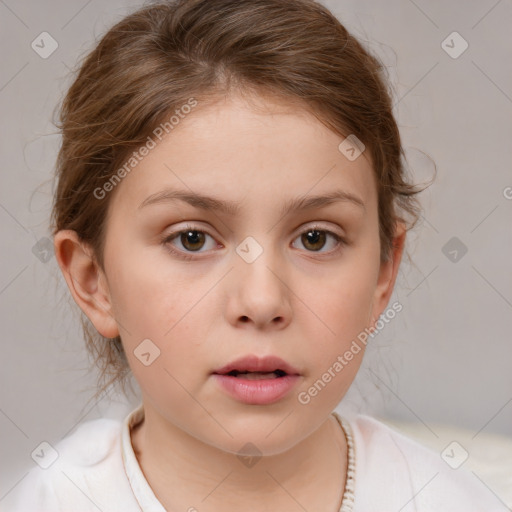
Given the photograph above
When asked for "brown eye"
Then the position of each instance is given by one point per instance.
(314, 240)
(192, 240)
(188, 241)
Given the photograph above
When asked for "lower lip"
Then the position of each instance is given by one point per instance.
(257, 392)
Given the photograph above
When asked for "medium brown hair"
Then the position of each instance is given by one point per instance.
(154, 60)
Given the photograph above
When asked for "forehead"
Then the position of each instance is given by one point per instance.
(262, 150)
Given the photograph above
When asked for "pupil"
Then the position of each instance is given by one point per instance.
(191, 239)
(313, 237)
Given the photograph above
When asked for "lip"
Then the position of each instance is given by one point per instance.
(261, 391)
(253, 363)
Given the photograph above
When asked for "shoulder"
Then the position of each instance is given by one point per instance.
(75, 473)
(396, 472)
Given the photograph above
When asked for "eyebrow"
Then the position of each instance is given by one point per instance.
(232, 208)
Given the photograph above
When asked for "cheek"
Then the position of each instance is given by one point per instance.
(150, 295)
(332, 349)
(155, 300)
(341, 302)
(337, 312)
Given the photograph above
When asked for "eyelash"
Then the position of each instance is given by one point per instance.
(190, 255)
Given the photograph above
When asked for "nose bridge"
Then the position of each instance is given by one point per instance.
(260, 292)
(257, 261)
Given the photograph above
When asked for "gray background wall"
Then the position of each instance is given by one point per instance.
(445, 358)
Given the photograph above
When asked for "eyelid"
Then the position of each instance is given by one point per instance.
(321, 227)
(304, 227)
(188, 227)
(189, 255)
(341, 240)
(184, 255)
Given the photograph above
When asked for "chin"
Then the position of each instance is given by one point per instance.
(265, 435)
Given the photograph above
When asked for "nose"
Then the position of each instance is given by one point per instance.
(259, 293)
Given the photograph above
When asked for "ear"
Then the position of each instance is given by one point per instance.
(388, 273)
(86, 281)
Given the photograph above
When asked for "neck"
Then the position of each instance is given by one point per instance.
(185, 473)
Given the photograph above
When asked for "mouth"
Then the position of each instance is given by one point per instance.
(252, 367)
(256, 375)
(257, 381)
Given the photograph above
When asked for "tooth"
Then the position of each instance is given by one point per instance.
(257, 376)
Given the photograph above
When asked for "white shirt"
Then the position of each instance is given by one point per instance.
(97, 471)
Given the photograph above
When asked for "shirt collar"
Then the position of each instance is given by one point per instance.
(140, 487)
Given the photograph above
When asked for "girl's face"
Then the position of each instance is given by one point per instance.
(245, 264)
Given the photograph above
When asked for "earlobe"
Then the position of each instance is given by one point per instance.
(388, 274)
(86, 281)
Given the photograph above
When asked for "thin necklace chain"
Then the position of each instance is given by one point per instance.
(347, 502)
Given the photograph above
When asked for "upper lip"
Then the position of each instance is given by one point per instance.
(253, 363)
